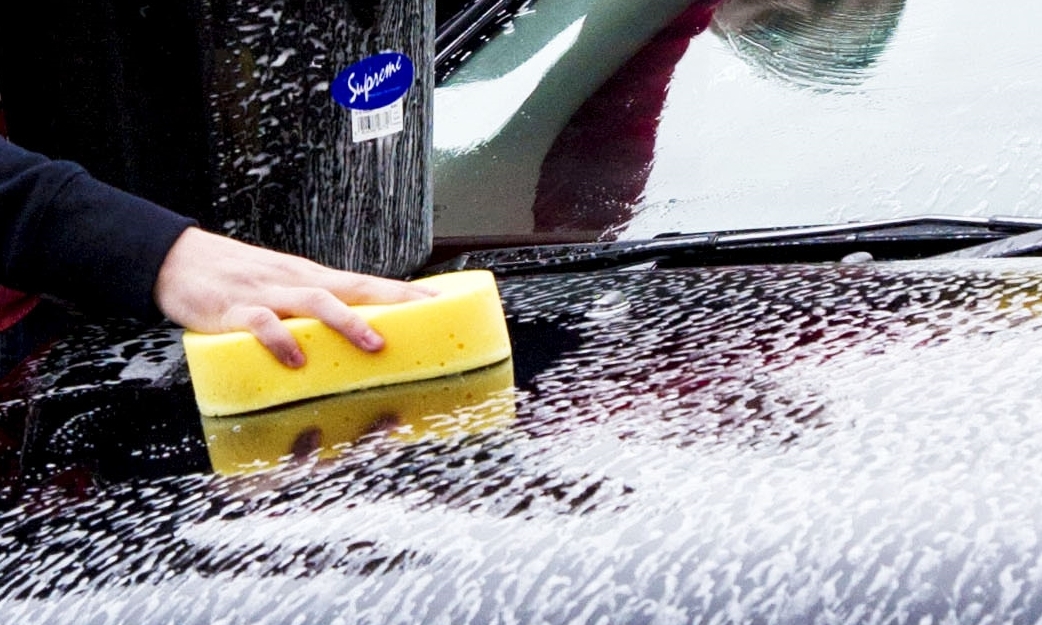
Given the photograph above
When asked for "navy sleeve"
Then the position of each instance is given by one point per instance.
(69, 235)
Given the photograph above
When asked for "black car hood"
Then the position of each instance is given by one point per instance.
(770, 443)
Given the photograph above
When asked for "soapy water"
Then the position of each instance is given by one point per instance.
(610, 304)
(812, 112)
(292, 175)
(765, 113)
(820, 46)
(855, 443)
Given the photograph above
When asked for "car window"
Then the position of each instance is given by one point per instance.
(498, 113)
(737, 114)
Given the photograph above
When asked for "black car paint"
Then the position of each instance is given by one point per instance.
(640, 395)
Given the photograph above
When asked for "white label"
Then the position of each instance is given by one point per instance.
(366, 125)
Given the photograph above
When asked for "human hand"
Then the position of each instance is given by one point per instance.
(210, 283)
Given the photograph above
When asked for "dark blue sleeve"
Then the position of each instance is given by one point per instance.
(69, 235)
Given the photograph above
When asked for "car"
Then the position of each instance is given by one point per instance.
(782, 366)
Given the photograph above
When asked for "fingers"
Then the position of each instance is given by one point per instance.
(264, 324)
(330, 310)
(356, 288)
(211, 283)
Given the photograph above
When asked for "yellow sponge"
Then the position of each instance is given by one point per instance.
(460, 329)
(453, 405)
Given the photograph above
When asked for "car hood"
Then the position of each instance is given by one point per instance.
(780, 443)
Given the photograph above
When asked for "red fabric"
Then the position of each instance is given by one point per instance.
(14, 306)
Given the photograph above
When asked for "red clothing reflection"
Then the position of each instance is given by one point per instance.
(598, 166)
(14, 305)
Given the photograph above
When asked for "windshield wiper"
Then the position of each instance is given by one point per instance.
(886, 239)
(1014, 245)
(459, 31)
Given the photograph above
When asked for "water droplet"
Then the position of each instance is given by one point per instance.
(857, 257)
(610, 304)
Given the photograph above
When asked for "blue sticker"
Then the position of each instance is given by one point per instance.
(373, 82)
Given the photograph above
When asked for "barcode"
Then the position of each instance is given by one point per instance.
(381, 122)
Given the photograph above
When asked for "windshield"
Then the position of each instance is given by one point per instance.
(585, 120)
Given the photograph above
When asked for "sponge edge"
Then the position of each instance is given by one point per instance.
(460, 329)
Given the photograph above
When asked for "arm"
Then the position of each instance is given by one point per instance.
(67, 234)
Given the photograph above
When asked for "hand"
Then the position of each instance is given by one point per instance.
(210, 283)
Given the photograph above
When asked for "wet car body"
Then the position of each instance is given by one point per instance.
(720, 427)
(797, 443)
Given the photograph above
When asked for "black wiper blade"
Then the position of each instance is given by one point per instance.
(458, 32)
(904, 237)
(1016, 245)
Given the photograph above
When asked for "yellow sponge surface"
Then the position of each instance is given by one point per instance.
(460, 329)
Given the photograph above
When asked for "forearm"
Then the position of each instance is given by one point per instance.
(65, 233)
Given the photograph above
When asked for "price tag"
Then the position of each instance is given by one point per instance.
(381, 122)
